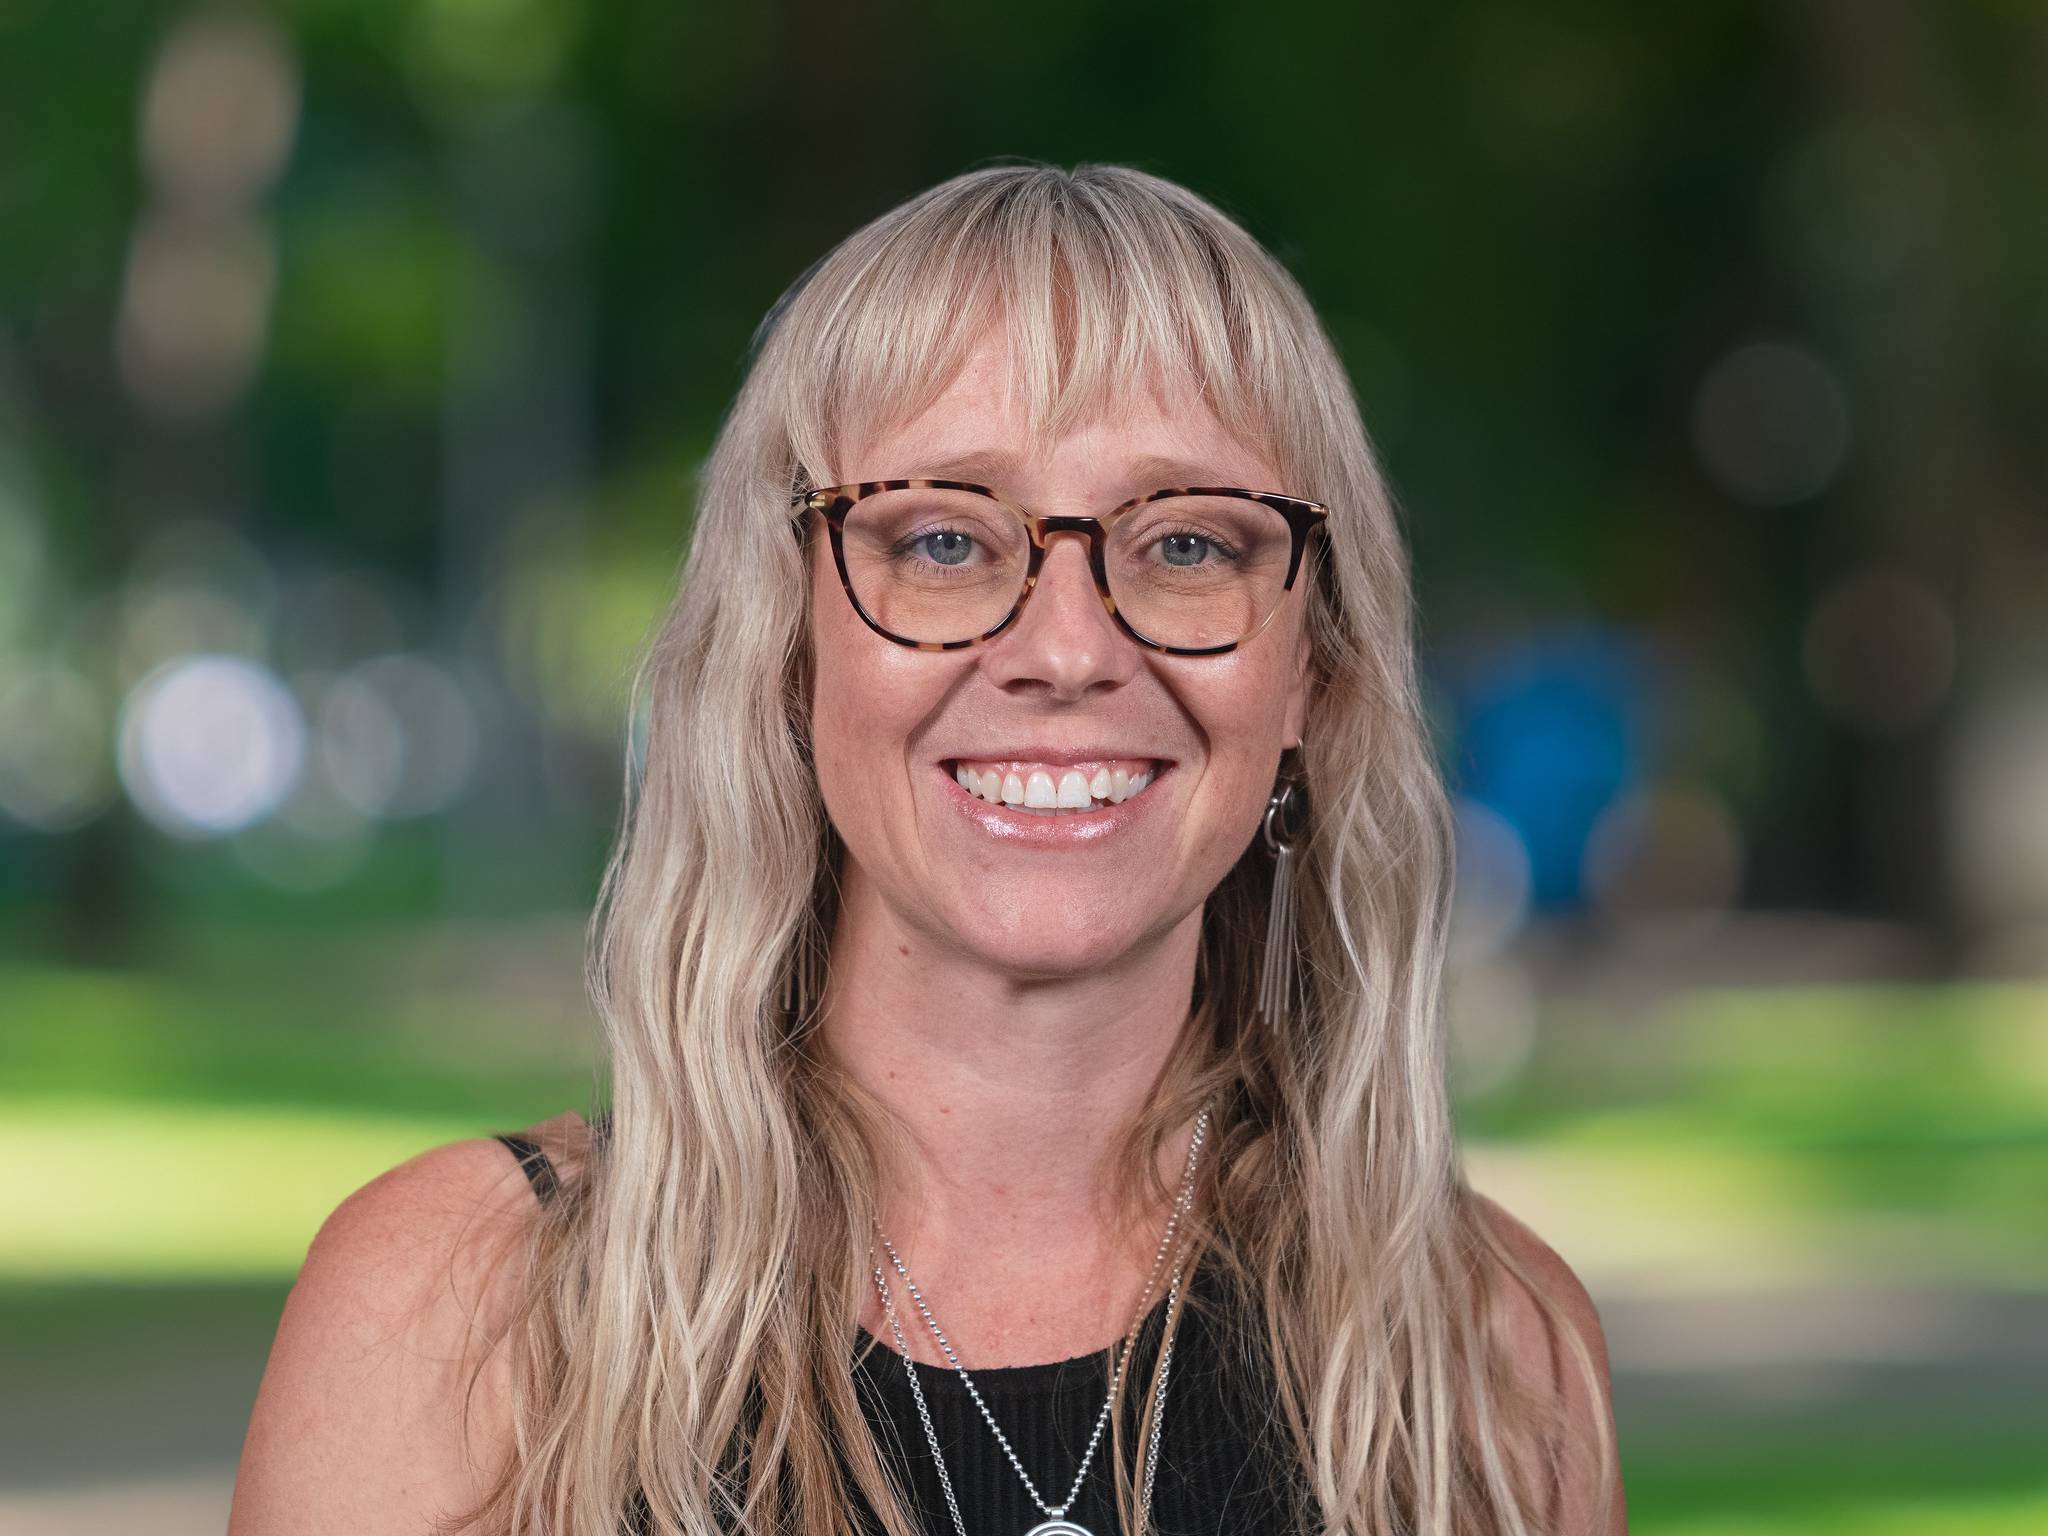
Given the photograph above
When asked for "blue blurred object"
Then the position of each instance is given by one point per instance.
(1549, 732)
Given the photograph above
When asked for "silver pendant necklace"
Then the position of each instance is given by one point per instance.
(1055, 1522)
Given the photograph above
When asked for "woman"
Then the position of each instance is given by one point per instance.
(1021, 967)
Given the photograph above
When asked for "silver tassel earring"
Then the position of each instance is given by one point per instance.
(801, 982)
(1286, 814)
(792, 989)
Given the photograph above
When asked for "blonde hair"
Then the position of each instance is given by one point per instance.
(690, 1305)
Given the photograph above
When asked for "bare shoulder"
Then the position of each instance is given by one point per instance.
(364, 1419)
(1548, 1365)
(1552, 1274)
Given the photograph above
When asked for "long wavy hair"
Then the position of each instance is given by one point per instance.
(688, 1303)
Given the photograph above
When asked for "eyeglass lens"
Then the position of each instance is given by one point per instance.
(940, 566)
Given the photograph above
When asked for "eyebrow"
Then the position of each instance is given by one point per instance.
(991, 466)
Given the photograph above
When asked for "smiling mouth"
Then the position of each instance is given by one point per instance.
(1081, 790)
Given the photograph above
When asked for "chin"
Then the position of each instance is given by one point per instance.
(1056, 949)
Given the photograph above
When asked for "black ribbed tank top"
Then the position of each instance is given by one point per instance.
(1225, 1465)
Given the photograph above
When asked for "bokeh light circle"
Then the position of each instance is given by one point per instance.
(210, 744)
(1771, 424)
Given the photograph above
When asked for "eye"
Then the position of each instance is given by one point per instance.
(1187, 547)
(943, 546)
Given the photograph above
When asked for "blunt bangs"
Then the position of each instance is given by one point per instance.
(1093, 292)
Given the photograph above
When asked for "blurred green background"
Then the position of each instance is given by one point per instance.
(355, 363)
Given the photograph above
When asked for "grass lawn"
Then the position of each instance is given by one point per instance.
(185, 1133)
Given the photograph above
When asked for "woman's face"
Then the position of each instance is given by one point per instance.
(1062, 690)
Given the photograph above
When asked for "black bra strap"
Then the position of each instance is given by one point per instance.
(534, 1163)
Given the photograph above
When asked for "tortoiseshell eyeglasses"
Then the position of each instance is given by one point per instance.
(940, 565)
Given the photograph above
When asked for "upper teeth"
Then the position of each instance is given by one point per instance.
(1049, 787)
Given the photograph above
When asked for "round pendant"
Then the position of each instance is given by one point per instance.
(1058, 1528)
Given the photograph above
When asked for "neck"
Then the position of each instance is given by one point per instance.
(1014, 1092)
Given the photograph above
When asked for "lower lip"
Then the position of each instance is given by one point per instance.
(1030, 831)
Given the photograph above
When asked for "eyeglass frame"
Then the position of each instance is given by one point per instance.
(834, 502)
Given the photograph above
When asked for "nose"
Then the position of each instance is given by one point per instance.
(1064, 640)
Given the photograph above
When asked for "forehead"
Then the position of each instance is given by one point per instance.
(1154, 429)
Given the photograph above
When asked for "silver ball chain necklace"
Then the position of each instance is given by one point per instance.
(1055, 1522)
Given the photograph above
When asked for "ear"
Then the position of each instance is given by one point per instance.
(1297, 692)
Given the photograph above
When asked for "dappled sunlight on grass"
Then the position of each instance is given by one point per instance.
(1962, 1061)
(2025, 1515)
(1741, 1137)
(1652, 1195)
(1652, 1217)
(1734, 1138)
(279, 1020)
(162, 1192)
(1799, 1209)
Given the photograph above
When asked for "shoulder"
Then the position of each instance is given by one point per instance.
(1545, 1360)
(364, 1418)
(1551, 1275)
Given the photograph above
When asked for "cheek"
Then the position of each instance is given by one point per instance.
(835, 723)
(1243, 716)
(1245, 711)
(867, 698)
(838, 719)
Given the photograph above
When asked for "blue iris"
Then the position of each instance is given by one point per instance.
(963, 544)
